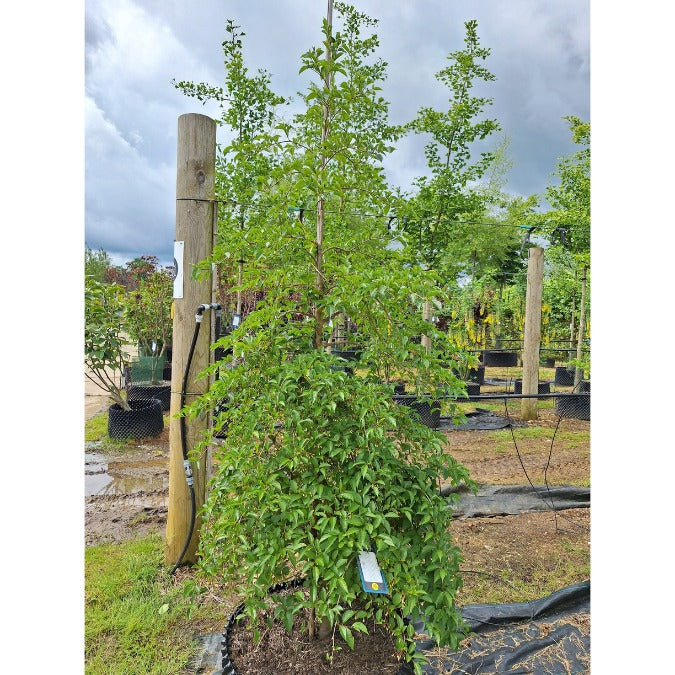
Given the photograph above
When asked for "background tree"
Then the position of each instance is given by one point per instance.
(431, 220)
(96, 263)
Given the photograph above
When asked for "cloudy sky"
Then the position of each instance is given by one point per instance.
(134, 48)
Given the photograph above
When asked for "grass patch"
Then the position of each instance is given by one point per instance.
(96, 429)
(503, 439)
(137, 617)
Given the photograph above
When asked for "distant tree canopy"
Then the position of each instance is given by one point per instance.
(96, 263)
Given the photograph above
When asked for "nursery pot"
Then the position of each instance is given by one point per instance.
(144, 419)
(585, 386)
(542, 387)
(472, 389)
(548, 363)
(427, 412)
(227, 664)
(351, 354)
(148, 368)
(499, 358)
(574, 405)
(564, 376)
(159, 391)
(477, 375)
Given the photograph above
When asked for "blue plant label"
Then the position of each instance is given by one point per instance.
(372, 578)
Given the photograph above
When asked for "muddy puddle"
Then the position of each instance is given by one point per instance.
(104, 475)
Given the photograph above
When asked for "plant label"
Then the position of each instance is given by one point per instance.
(372, 578)
(178, 249)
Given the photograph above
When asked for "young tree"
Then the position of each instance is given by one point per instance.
(447, 196)
(319, 465)
(431, 218)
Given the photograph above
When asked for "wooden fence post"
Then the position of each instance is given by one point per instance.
(579, 372)
(195, 204)
(535, 278)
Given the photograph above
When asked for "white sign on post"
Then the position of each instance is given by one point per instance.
(178, 248)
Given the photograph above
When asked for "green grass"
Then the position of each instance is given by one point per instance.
(503, 439)
(136, 616)
(96, 429)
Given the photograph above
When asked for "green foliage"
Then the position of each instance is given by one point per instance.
(96, 263)
(148, 317)
(104, 339)
(570, 197)
(319, 465)
(430, 220)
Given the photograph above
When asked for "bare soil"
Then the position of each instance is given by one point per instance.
(295, 653)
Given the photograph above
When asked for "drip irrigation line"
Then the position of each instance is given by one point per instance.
(534, 489)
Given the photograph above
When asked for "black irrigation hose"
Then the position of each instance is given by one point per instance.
(534, 489)
(183, 430)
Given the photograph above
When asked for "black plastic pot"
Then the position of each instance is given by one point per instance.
(399, 388)
(548, 363)
(228, 667)
(499, 358)
(427, 412)
(474, 374)
(159, 391)
(144, 419)
(166, 371)
(542, 387)
(577, 406)
(564, 376)
(585, 387)
(472, 389)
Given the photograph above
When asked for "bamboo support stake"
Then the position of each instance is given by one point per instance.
(195, 204)
(579, 372)
(535, 278)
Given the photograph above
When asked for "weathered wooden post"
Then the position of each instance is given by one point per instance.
(195, 205)
(579, 372)
(535, 278)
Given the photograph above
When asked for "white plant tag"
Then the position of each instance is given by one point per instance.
(372, 578)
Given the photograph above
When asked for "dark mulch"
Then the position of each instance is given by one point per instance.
(294, 653)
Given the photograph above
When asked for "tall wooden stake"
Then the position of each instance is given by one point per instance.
(579, 373)
(195, 195)
(535, 278)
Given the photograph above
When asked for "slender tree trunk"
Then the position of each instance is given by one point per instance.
(426, 315)
(319, 319)
(579, 372)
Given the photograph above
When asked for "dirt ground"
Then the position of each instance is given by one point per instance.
(127, 492)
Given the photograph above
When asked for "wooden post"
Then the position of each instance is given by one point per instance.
(579, 373)
(535, 278)
(570, 356)
(195, 204)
